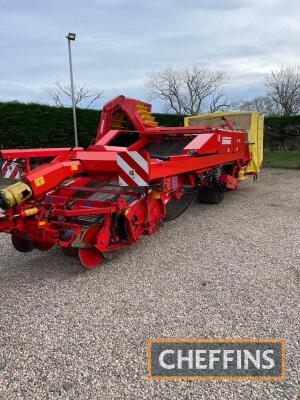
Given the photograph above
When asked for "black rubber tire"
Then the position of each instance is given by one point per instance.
(70, 251)
(21, 244)
(43, 246)
(210, 196)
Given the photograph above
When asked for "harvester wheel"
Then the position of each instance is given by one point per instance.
(22, 244)
(43, 246)
(210, 195)
(90, 257)
(70, 251)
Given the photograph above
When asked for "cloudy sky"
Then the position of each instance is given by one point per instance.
(120, 41)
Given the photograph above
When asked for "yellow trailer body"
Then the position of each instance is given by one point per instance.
(250, 121)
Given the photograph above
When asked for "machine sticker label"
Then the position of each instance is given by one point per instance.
(204, 359)
(40, 181)
(226, 140)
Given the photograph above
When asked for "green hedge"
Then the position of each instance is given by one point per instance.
(282, 133)
(36, 125)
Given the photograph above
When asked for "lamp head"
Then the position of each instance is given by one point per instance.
(71, 36)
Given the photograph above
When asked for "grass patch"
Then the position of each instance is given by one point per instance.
(282, 159)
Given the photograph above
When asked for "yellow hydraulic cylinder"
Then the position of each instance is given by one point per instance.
(14, 195)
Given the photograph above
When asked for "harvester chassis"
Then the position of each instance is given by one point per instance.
(127, 183)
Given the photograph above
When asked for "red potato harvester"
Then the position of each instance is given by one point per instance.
(134, 176)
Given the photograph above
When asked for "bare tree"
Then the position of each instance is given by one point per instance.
(283, 89)
(189, 91)
(220, 102)
(167, 86)
(262, 104)
(62, 95)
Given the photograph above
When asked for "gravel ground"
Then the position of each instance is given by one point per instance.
(230, 270)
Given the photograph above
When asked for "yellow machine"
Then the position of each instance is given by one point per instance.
(250, 121)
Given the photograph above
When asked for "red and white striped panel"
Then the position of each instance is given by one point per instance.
(11, 170)
(133, 169)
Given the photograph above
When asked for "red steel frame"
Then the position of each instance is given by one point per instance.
(65, 197)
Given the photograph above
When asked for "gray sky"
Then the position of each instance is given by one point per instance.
(120, 41)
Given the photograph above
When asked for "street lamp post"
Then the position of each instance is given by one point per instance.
(72, 36)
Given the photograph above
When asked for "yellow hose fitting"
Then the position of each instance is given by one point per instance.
(155, 194)
(14, 195)
(29, 212)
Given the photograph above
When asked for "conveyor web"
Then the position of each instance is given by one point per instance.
(168, 147)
